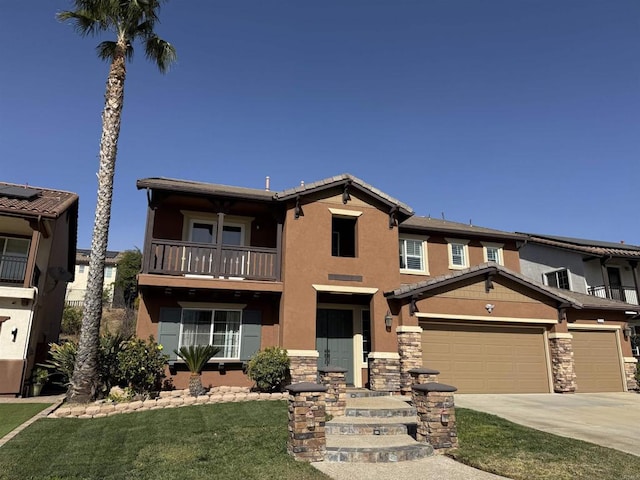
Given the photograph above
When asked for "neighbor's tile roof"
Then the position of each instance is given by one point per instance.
(455, 228)
(83, 254)
(575, 299)
(48, 203)
(592, 247)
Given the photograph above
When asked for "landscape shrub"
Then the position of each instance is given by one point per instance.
(141, 365)
(62, 358)
(71, 320)
(269, 368)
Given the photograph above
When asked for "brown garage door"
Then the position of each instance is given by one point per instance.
(487, 359)
(596, 361)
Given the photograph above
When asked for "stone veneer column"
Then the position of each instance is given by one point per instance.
(304, 365)
(630, 365)
(561, 351)
(336, 397)
(423, 375)
(410, 351)
(307, 441)
(436, 416)
(384, 372)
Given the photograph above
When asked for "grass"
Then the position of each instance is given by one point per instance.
(496, 445)
(231, 441)
(14, 414)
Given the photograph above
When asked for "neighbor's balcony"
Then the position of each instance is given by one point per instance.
(170, 257)
(12, 269)
(624, 294)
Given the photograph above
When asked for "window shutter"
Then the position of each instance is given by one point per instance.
(169, 330)
(251, 330)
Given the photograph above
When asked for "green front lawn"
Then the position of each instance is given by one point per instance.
(496, 445)
(15, 414)
(231, 441)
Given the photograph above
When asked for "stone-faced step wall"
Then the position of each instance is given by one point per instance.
(384, 372)
(307, 438)
(304, 366)
(410, 351)
(436, 416)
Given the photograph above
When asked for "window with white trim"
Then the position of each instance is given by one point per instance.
(493, 252)
(13, 258)
(413, 255)
(558, 279)
(217, 327)
(458, 253)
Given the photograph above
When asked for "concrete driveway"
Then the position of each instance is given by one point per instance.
(607, 419)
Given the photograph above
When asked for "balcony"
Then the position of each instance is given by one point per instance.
(12, 269)
(170, 257)
(622, 293)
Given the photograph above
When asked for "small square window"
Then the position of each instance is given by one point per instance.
(343, 236)
(458, 254)
(493, 253)
(558, 279)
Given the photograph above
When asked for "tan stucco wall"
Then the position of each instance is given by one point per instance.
(308, 261)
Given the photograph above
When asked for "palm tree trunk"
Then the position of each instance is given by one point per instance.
(85, 381)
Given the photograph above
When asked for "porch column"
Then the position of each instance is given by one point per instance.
(304, 365)
(31, 259)
(307, 440)
(384, 372)
(436, 416)
(636, 282)
(630, 365)
(336, 398)
(278, 249)
(148, 237)
(410, 350)
(219, 243)
(605, 277)
(562, 365)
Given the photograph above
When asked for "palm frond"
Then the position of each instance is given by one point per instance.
(161, 52)
(196, 356)
(83, 22)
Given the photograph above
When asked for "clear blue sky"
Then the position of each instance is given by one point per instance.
(522, 115)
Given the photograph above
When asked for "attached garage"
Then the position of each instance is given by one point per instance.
(487, 359)
(596, 359)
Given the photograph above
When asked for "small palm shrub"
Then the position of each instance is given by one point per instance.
(269, 368)
(196, 357)
(62, 358)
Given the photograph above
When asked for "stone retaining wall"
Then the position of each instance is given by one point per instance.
(170, 399)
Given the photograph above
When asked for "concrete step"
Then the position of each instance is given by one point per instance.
(363, 392)
(371, 426)
(379, 407)
(374, 449)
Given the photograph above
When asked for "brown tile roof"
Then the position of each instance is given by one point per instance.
(573, 299)
(83, 254)
(455, 228)
(188, 186)
(46, 202)
(590, 247)
(340, 180)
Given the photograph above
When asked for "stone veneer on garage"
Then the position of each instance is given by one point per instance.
(562, 364)
(410, 351)
(630, 365)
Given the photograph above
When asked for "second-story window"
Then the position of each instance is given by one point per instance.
(458, 254)
(558, 279)
(343, 236)
(108, 272)
(493, 253)
(412, 255)
(202, 232)
(13, 258)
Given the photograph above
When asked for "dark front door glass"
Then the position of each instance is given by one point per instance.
(334, 339)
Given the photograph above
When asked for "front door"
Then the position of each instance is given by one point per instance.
(334, 339)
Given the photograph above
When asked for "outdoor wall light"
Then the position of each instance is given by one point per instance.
(388, 319)
(489, 307)
(444, 417)
(627, 332)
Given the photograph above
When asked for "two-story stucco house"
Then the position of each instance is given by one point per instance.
(38, 228)
(340, 273)
(77, 289)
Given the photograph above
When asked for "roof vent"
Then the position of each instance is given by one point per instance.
(267, 183)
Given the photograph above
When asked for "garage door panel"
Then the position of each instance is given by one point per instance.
(487, 359)
(597, 361)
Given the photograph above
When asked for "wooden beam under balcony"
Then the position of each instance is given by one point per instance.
(165, 281)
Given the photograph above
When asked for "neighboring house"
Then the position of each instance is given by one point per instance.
(340, 273)
(604, 269)
(38, 228)
(77, 288)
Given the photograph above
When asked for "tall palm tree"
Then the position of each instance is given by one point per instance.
(129, 20)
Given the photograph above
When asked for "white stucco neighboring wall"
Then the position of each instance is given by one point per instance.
(536, 260)
(17, 304)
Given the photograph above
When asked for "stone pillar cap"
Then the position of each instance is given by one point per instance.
(332, 369)
(434, 387)
(305, 387)
(424, 371)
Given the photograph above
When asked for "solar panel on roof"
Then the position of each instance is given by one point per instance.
(24, 193)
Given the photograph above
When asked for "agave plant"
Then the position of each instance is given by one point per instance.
(196, 357)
